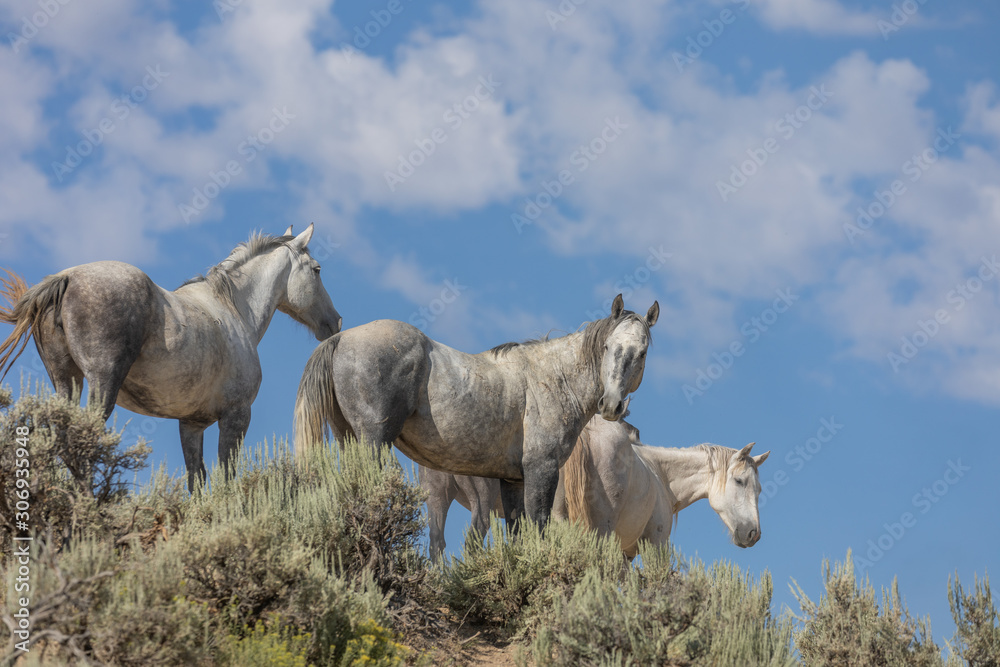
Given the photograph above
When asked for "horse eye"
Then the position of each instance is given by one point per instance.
(316, 269)
(741, 482)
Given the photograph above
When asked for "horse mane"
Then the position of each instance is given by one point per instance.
(720, 457)
(576, 481)
(595, 335)
(503, 348)
(219, 277)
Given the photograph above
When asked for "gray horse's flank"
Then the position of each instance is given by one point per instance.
(511, 414)
(190, 354)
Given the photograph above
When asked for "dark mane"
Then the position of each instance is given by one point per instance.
(219, 276)
(504, 348)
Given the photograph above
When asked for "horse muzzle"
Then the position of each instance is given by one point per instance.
(747, 538)
(329, 329)
(611, 409)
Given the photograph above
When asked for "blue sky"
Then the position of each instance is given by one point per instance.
(808, 187)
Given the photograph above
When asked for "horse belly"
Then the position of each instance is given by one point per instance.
(462, 449)
(189, 374)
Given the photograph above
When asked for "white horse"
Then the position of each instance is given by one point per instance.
(615, 484)
(190, 354)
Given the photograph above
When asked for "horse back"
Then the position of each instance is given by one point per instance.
(107, 305)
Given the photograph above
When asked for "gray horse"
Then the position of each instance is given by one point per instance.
(190, 354)
(512, 413)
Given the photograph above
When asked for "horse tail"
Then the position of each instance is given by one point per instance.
(576, 481)
(316, 401)
(24, 307)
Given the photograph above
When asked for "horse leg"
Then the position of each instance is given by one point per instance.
(50, 341)
(541, 477)
(481, 502)
(512, 498)
(438, 502)
(192, 441)
(232, 428)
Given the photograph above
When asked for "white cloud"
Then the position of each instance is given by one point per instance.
(536, 100)
(824, 17)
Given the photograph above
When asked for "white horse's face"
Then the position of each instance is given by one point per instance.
(734, 497)
(306, 300)
(624, 359)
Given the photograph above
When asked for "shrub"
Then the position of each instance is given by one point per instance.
(514, 582)
(977, 636)
(374, 646)
(665, 613)
(76, 472)
(265, 646)
(734, 625)
(847, 628)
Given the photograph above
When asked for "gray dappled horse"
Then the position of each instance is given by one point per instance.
(190, 354)
(613, 483)
(512, 413)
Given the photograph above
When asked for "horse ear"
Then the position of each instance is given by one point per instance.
(653, 314)
(617, 307)
(302, 240)
(745, 452)
(288, 232)
(757, 460)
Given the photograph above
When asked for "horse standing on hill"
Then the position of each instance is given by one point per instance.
(190, 354)
(615, 484)
(512, 413)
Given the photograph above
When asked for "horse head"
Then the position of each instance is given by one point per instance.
(624, 356)
(733, 495)
(305, 299)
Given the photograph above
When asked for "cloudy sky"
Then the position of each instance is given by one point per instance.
(810, 188)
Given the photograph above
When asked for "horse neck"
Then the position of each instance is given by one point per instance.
(687, 473)
(565, 358)
(258, 287)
